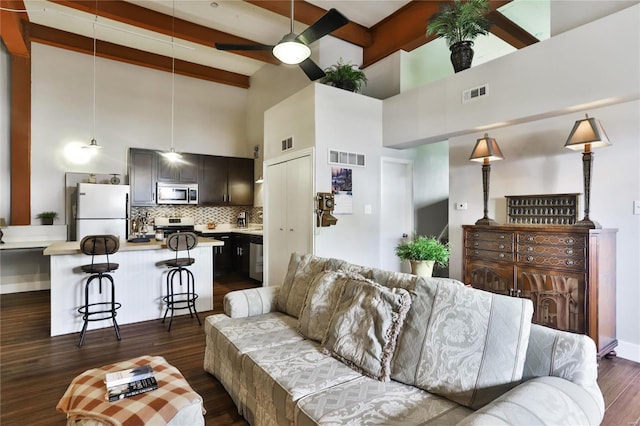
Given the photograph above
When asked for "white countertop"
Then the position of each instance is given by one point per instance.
(250, 230)
(21, 245)
(73, 247)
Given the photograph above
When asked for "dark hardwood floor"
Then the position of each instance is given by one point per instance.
(35, 369)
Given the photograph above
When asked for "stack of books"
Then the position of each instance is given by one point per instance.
(126, 383)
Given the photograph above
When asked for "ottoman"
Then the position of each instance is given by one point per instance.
(174, 403)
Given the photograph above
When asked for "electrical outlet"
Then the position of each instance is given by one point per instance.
(461, 206)
(636, 207)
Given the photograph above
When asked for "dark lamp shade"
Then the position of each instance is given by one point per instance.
(486, 148)
(587, 131)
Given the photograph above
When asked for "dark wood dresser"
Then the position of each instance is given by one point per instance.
(568, 272)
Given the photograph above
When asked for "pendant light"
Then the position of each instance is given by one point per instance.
(172, 155)
(93, 145)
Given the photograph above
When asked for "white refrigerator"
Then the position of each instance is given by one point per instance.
(102, 209)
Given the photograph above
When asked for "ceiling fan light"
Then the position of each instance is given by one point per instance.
(290, 51)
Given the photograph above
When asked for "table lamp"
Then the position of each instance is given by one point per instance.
(587, 133)
(486, 150)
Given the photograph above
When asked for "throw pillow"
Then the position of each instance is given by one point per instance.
(321, 300)
(464, 344)
(301, 270)
(363, 330)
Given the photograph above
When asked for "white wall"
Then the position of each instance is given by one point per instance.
(572, 71)
(5, 132)
(536, 162)
(133, 109)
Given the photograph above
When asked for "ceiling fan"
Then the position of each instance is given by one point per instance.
(294, 49)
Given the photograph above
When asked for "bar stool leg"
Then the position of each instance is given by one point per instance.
(116, 327)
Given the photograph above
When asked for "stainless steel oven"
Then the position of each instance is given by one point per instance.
(176, 193)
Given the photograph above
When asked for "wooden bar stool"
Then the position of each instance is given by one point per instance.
(184, 296)
(99, 245)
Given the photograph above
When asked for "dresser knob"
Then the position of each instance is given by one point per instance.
(501, 255)
(569, 262)
(529, 238)
(570, 240)
(570, 251)
(476, 244)
(501, 246)
(529, 248)
(530, 258)
(502, 237)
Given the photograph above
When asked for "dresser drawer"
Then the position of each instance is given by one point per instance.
(557, 250)
(577, 263)
(565, 240)
(504, 246)
(506, 237)
(488, 254)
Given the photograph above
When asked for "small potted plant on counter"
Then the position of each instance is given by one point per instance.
(423, 253)
(47, 217)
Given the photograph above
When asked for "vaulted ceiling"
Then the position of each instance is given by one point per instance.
(153, 32)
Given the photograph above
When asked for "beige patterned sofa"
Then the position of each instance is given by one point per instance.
(341, 344)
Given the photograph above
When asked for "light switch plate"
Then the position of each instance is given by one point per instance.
(368, 209)
(636, 207)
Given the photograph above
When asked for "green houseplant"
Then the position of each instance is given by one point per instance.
(47, 217)
(459, 23)
(345, 76)
(423, 253)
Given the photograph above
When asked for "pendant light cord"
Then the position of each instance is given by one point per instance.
(173, 69)
(292, 16)
(94, 77)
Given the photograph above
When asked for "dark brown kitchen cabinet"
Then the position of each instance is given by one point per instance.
(142, 177)
(568, 272)
(183, 171)
(226, 181)
(241, 262)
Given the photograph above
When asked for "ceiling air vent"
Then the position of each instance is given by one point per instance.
(346, 158)
(287, 143)
(475, 93)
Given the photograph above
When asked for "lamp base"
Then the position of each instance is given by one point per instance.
(486, 221)
(588, 223)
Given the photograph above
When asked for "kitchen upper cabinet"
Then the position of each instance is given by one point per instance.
(568, 272)
(183, 171)
(226, 181)
(142, 177)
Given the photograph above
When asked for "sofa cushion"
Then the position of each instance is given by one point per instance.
(365, 325)
(277, 377)
(464, 344)
(227, 339)
(369, 401)
(300, 273)
(320, 302)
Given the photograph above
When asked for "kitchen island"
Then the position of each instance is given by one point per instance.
(140, 282)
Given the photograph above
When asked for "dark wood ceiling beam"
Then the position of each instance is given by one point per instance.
(77, 43)
(308, 13)
(404, 29)
(12, 28)
(509, 31)
(132, 14)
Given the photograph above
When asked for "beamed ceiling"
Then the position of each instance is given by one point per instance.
(140, 32)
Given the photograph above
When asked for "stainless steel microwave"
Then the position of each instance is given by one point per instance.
(177, 193)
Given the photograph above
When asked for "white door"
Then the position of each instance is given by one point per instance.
(396, 213)
(288, 215)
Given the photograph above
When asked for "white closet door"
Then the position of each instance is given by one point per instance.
(276, 220)
(300, 205)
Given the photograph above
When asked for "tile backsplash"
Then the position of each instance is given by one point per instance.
(201, 215)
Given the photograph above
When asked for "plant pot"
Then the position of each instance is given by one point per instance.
(461, 55)
(422, 268)
(47, 221)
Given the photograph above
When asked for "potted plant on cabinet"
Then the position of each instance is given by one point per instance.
(459, 23)
(345, 76)
(423, 253)
(47, 217)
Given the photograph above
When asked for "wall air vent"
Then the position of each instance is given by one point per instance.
(346, 158)
(287, 143)
(475, 93)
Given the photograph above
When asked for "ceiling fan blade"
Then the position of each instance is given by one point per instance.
(231, 46)
(312, 71)
(329, 22)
